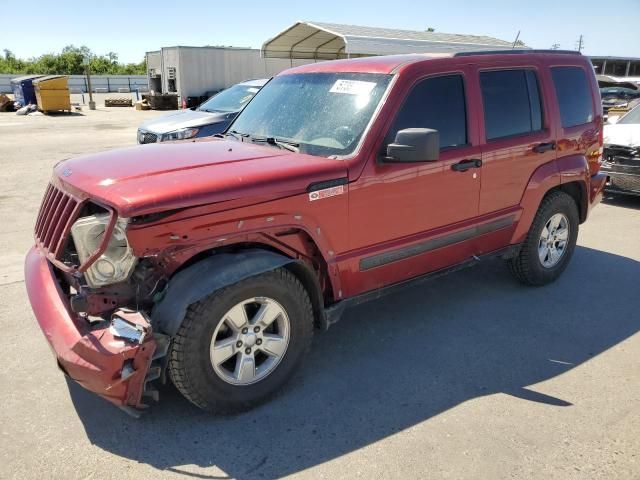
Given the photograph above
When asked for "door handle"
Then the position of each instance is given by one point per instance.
(544, 147)
(464, 165)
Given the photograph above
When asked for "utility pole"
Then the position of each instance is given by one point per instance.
(580, 43)
(515, 42)
(92, 104)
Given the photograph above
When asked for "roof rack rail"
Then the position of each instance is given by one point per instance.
(515, 51)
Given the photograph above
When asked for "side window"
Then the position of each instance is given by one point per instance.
(574, 95)
(511, 100)
(436, 103)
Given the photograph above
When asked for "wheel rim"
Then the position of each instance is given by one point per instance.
(250, 341)
(553, 240)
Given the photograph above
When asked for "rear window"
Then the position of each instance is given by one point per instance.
(574, 95)
(511, 100)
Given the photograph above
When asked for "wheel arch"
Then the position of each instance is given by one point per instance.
(212, 270)
(568, 174)
(578, 191)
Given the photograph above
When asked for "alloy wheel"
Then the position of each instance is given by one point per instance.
(553, 240)
(250, 341)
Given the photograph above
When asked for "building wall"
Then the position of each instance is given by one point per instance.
(170, 59)
(154, 61)
(616, 66)
(209, 69)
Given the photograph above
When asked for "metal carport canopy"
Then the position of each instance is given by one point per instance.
(330, 41)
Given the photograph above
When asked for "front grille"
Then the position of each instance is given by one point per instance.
(57, 213)
(147, 137)
(622, 155)
(626, 182)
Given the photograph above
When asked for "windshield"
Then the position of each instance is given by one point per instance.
(233, 99)
(632, 117)
(324, 114)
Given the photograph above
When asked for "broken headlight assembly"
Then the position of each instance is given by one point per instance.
(116, 262)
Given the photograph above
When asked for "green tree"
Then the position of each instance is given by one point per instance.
(71, 61)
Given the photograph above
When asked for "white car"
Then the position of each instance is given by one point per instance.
(621, 158)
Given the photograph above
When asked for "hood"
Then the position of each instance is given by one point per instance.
(184, 119)
(622, 134)
(158, 177)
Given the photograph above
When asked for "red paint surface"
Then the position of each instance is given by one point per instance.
(92, 357)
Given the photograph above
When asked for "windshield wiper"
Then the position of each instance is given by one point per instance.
(237, 135)
(291, 146)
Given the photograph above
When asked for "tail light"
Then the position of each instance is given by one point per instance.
(595, 158)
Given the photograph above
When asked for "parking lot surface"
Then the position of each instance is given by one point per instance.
(470, 376)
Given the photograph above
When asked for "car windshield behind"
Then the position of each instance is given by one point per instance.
(323, 114)
(233, 99)
(632, 117)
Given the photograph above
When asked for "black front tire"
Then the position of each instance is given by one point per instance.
(190, 364)
(527, 267)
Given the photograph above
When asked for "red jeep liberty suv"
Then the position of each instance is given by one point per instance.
(211, 262)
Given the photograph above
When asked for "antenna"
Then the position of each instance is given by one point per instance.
(580, 43)
(516, 40)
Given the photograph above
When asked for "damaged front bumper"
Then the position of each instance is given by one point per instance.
(96, 355)
(621, 164)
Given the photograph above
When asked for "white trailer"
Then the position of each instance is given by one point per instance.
(197, 71)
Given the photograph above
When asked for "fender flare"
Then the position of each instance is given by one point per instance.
(553, 174)
(206, 276)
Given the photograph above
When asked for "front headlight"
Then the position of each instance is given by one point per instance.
(181, 134)
(116, 262)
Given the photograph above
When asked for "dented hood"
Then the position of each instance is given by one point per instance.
(153, 178)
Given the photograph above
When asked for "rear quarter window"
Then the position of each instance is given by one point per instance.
(574, 95)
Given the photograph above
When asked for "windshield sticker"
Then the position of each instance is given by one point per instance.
(326, 193)
(352, 87)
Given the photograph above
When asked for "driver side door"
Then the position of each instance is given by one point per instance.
(406, 219)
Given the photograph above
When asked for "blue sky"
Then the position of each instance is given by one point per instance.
(131, 28)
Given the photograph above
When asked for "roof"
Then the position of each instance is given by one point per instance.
(392, 63)
(383, 64)
(44, 78)
(25, 77)
(607, 57)
(328, 41)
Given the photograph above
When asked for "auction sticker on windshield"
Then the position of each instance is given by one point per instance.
(352, 87)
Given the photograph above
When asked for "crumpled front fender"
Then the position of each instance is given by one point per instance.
(206, 276)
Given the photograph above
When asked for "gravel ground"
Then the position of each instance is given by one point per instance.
(471, 376)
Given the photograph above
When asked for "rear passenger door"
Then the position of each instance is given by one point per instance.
(517, 136)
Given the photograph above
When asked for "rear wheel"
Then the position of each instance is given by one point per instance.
(239, 345)
(550, 242)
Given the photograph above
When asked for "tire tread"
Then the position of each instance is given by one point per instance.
(179, 358)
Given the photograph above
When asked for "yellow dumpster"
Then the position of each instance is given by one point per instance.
(52, 93)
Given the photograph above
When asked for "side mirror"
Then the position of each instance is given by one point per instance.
(613, 120)
(414, 145)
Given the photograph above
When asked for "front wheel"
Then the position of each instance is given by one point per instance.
(550, 242)
(240, 344)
